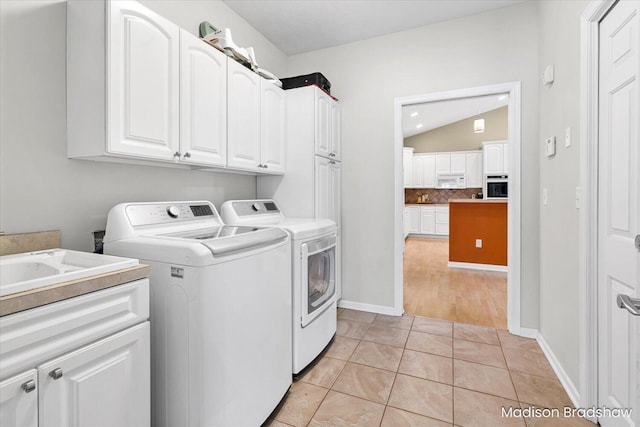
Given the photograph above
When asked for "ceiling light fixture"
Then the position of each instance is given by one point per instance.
(478, 125)
(419, 125)
(415, 113)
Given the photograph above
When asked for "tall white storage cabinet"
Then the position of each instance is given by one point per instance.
(311, 186)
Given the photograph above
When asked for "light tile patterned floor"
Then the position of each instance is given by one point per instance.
(413, 371)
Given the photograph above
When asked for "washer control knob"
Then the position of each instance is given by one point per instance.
(173, 211)
(256, 207)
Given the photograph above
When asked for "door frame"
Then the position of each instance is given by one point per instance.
(588, 246)
(513, 89)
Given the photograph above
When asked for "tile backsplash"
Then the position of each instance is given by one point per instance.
(411, 195)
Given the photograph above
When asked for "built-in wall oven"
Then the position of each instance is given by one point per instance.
(497, 187)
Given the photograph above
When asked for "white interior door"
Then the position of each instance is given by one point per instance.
(618, 212)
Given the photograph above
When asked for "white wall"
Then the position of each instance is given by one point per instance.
(559, 220)
(40, 188)
(495, 47)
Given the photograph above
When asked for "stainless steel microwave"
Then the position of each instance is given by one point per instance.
(497, 187)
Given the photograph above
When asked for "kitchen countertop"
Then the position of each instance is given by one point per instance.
(478, 201)
(33, 298)
(427, 204)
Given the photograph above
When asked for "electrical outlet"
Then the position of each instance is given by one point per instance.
(545, 197)
(478, 243)
(550, 146)
(578, 201)
(567, 137)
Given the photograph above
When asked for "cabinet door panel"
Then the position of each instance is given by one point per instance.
(413, 212)
(458, 162)
(335, 182)
(323, 124)
(323, 196)
(429, 172)
(493, 159)
(418, 171)
(428, 221)
(505, 158)
(474, 170)
(273, 128)
(19, 407)
(143, 82)
(203, 102)
(243, 117)
(336, 136)
(443, 163)
(102, 384)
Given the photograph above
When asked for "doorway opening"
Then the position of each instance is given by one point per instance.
(454, 183)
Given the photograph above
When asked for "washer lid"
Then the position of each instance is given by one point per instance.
(227, 239)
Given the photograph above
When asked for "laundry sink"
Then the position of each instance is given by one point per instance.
(23, 272)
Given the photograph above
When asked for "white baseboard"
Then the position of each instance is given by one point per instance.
(529, 333)
(473, 266)
(379, 309)
(566, 382)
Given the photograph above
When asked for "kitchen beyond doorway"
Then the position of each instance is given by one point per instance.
(431, 289)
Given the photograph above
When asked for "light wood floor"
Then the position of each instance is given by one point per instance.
(431, 289)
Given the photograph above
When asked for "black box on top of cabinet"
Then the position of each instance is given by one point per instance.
(307, 80)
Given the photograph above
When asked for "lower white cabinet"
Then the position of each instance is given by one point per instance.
(19, 400)
(84, 361)
(428, 220)
(413, 214)
(431, 220)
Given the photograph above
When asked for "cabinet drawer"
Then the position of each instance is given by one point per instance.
(30, 337)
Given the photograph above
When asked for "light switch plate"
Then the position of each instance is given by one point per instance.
(547, 76)
(478, 243)
(567, 137)
(550, 146)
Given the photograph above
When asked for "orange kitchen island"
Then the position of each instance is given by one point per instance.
(471, 220)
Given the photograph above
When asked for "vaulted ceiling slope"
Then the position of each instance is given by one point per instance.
(298, 26)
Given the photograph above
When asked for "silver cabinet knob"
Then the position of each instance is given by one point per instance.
(260, 165)
(56, 374)
(29, 386)
(332, 154)
(176, 154)
(265, 166)
(187, 155)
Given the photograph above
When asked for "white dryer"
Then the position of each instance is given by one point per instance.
(220, 311)
(314, 278)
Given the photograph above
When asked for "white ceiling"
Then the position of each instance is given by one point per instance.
(297, 26)
(436, 114)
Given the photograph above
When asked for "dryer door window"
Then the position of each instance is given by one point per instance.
(319, 277)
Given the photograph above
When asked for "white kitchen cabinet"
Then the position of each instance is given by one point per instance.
(327, 190)
(458, 163)
(122, 65)
(418, 171)
(405, 222)
(104, 383)
(441, 220)
(443, 163)
(256, 122)
(203, 103)
(496, 157)
(19, 400)
(327, 126)
(243, 117)
(273, 129)
(473, 172)
(413, 214)
(407, 166)
(81, 361)
(427, 220)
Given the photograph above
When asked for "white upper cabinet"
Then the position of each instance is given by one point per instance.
(243, 120)
(474, 169)
(458, 163)
(407, 166)
(496, 157)
(142, 90)
(273, 129)
(443, 163)
(327, 126)
(418, 171)
(203, 102)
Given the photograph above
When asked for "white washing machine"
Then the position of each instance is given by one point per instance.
(220, 311)
(314, 278)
